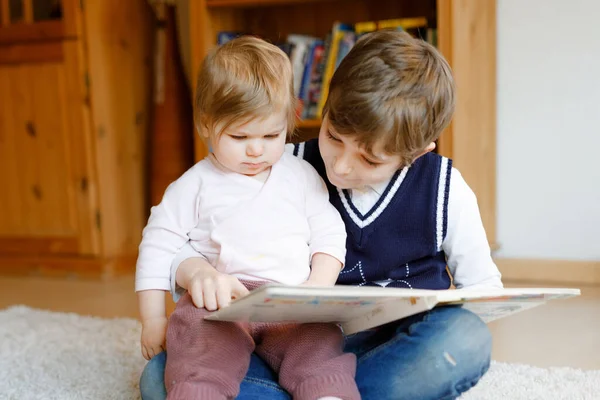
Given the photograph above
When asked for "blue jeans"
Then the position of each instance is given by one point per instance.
(438, 354)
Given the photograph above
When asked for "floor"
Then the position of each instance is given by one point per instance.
(560, 333)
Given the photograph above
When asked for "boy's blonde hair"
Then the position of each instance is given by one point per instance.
(244, 79)
(392, 89)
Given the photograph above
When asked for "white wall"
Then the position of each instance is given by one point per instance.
(548, 171)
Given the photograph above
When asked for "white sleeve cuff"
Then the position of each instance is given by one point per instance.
(335, 252)
(187, 251)
(152, 284)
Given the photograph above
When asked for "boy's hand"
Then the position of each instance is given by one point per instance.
(154, 332)
(212, 290)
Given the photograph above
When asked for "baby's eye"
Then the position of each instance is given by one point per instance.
(237, 137)
(273, 136)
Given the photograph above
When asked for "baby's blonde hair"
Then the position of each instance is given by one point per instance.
(244, 79)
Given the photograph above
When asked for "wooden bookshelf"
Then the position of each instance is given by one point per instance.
(466, 36)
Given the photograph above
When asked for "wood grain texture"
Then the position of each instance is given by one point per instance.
(119, 40)
(39, 31)
(471, 51)
(24, 53)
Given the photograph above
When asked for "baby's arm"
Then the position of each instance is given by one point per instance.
(208, 287)
(327, 232)
(166, 232)
(466, 246)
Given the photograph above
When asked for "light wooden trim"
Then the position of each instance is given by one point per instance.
(28, 11)
(468, 41)
(67, 266)
(78, 127)
(561, 272)
(39, 31)
(32, 53)
(41, 245)
(310, 124)
(202, 39)
(5, 12)
(444, 26)
(72, 17)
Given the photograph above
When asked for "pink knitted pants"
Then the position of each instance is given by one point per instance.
(208, 359)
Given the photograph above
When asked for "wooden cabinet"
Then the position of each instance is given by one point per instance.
(75, 92)
(466, 31)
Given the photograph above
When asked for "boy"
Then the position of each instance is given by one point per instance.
(408, 216)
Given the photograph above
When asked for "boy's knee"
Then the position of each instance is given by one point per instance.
(470, 330)
(152, 382)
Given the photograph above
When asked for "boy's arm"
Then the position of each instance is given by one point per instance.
(466, 246)
(327, 232)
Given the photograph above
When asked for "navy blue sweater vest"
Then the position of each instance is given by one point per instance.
(398, 243)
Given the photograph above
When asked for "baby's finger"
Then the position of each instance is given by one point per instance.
(145, 352)
(210, 295)
(223, 295)
(238, 290)
(197, 296)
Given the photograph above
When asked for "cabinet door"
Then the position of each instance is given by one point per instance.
(47, 187)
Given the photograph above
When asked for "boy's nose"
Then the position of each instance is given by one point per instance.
(341, 166)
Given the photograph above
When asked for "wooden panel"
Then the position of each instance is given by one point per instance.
(31, 53)
(45, 146)
(119, 37)
(83, 180)
(561, 272)
(472, 57)
(38, 245)
(34, 151)
(39, 31)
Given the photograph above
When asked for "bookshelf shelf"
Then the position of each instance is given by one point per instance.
(256, 3)
(309, 124)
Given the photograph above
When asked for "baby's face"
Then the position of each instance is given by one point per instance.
(349, 166)
(253, 147)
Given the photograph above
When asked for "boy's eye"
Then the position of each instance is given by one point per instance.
(330, 136)
(273, 136)
(237, 137)
(371, 163)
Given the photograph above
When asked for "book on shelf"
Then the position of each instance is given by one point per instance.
(361, 308)
(314, 60)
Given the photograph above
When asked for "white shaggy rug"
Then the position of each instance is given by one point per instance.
(45, 355)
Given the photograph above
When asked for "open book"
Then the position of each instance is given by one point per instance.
(361, 308)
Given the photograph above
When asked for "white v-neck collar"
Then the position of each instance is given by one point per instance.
(391, 188)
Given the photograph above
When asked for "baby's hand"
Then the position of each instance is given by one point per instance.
(154, 331)
(215, 290)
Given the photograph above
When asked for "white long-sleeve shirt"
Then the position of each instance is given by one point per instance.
(243, 227)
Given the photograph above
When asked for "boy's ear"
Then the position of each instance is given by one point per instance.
(428, 149)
